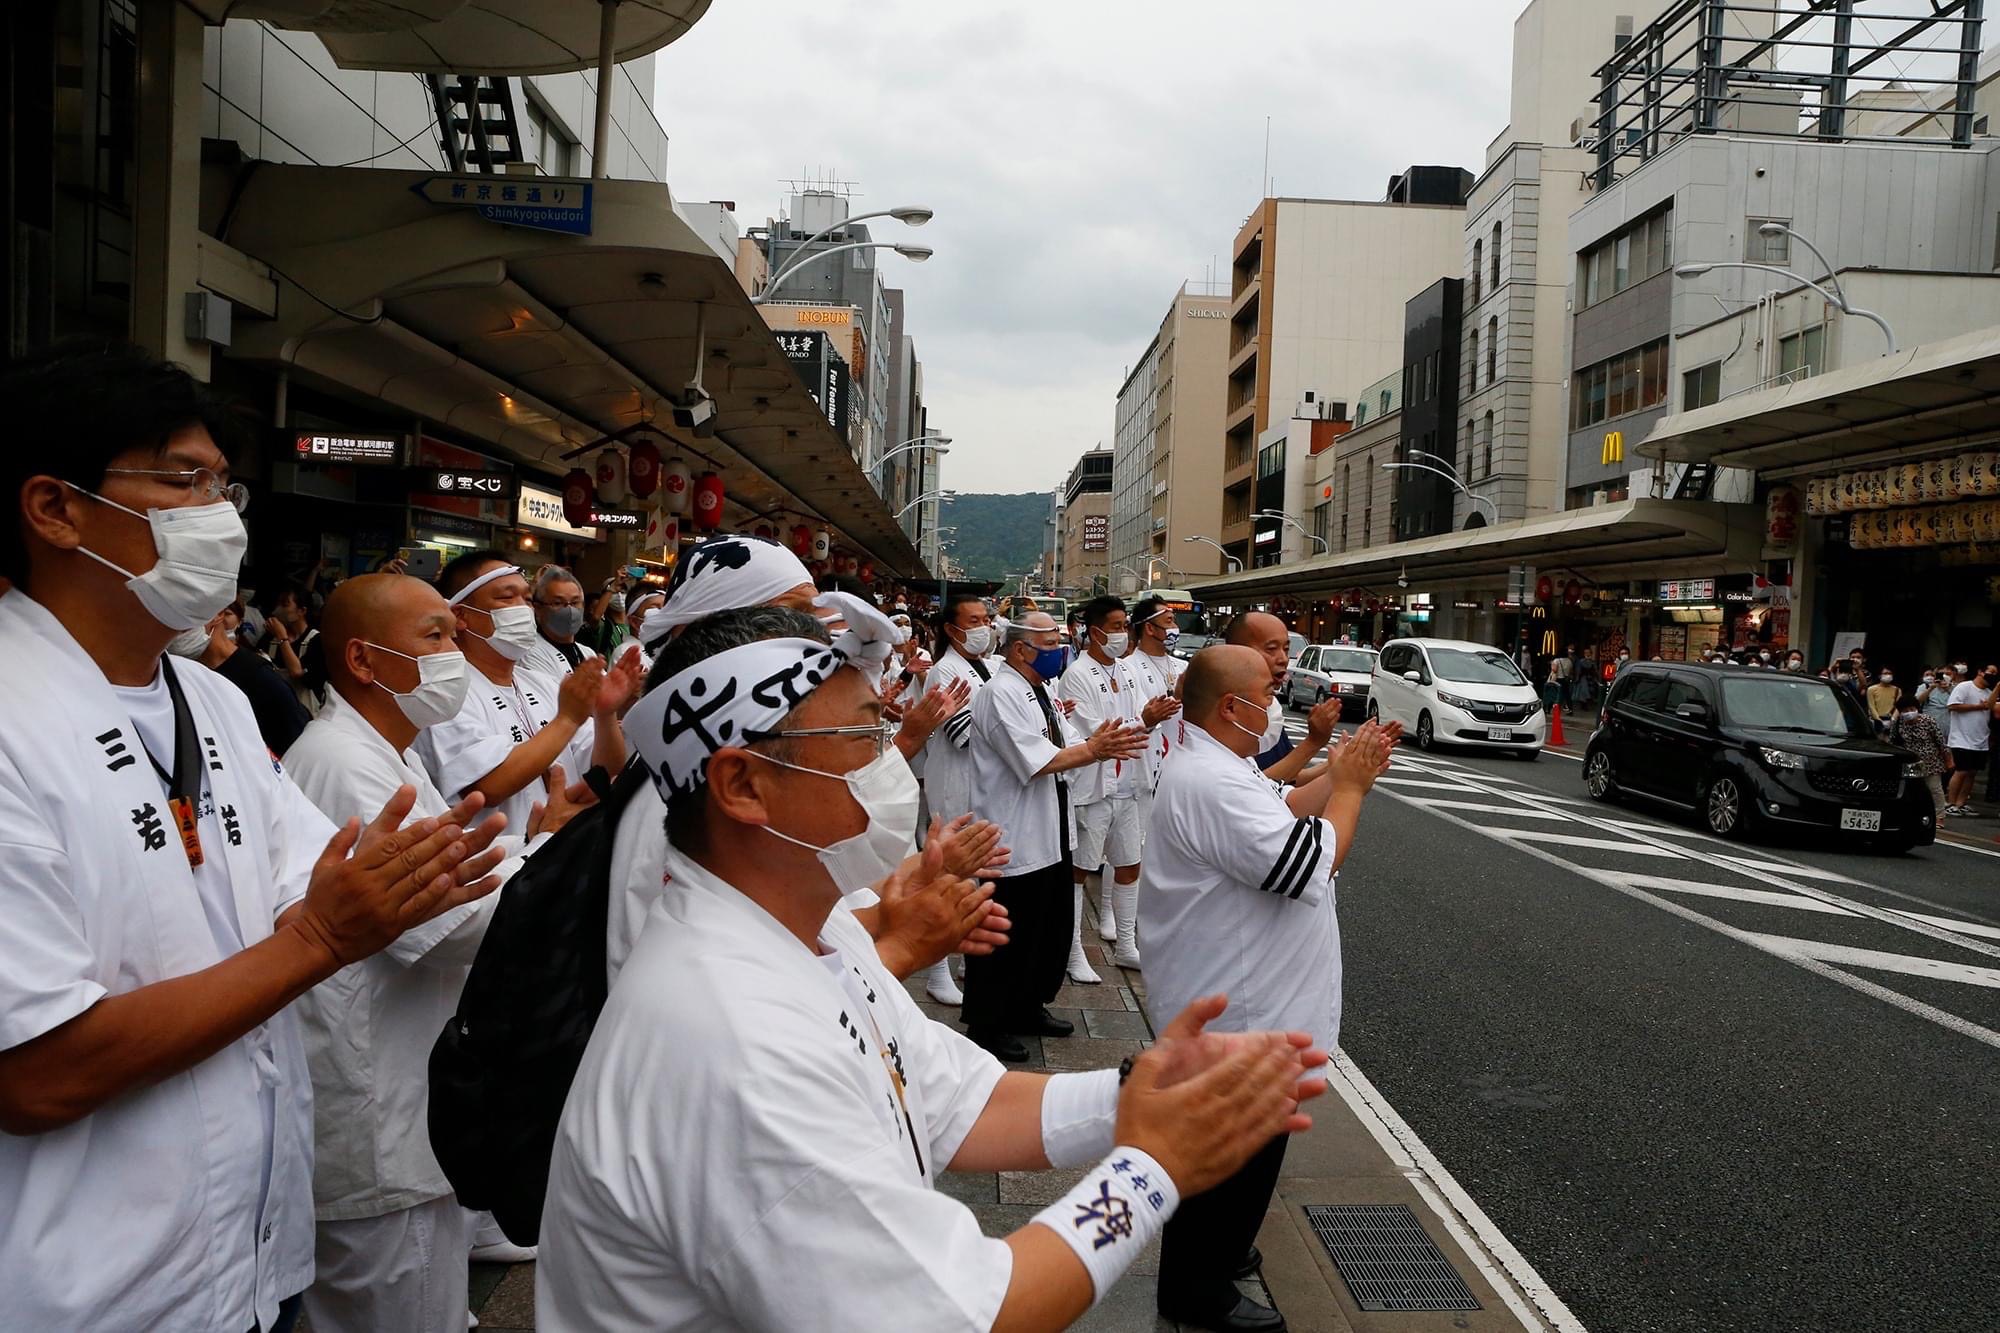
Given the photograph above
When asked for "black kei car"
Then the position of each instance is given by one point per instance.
(1750, 750)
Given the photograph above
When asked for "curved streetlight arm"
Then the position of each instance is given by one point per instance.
(944, 497)
(1439, 459)
(1291, 522)
(1475, 499)
(1839, 303)
(1235, 566)
(1832, 278)
(784, 274)
(910, 448)
(824, 232)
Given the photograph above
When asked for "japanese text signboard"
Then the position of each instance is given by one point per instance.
(519, 201)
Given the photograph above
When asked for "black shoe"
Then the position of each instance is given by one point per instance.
(1046, 1024)
(1000, 1045)
(1253, 1264)
(1246, 1316)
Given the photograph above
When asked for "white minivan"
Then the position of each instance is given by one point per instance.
(1452, 692)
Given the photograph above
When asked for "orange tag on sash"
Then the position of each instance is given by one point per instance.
(190, 831)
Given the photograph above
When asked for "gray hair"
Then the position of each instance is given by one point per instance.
(553, 574)
(1017, 631)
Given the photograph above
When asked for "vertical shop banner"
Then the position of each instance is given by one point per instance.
(824, 374)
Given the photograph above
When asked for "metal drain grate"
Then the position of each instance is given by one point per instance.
(1387, 1259)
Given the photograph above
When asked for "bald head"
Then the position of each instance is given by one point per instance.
(395, 611)
(1218, 672)
(1266, 634)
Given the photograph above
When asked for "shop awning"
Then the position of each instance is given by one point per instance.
(1694, 537)
(1934, 395)
(538, 342)
(498, 37)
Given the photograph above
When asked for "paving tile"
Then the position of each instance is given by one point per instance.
(484, 1278)
(1111, 1023)
(1087, 1052)
(1094, 997)
(512, 1302)
(1038, 1187)
(970, 1187)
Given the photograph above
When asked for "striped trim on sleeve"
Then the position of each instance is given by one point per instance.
(1293, 869)
(958, 727)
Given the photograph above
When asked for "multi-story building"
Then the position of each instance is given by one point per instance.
(1084, 523)
(1517, 257)
(1353, 498)
(1317, 303)
(1433, 322)
(1132, 469)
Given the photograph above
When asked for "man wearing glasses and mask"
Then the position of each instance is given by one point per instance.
(559, 617)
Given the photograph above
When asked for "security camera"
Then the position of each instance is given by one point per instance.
(1402, 581)
(697, 414)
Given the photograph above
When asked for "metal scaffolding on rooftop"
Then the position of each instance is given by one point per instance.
(1810, 69)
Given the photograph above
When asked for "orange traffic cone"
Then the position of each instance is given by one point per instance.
(1556, 725)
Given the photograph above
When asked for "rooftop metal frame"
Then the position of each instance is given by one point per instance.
(1681, 74)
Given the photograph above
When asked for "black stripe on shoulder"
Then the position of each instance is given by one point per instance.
(1274, 880)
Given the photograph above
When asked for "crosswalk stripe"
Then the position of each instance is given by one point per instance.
(1762, 896)
(1419, 782)
(1525, 812)
(1799, 871)
(1908, 965)
(1575, 840)
(1952, 923)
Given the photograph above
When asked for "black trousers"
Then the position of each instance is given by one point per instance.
(1209, 1236)
(1006, 989)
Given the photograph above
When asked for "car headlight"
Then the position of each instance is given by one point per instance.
(1454, 700)
(1781, 758)
(1913, 769)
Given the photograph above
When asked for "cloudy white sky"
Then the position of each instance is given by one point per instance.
(1084, 157)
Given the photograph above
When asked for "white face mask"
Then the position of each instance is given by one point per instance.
(979, 641)
(1273, 713)
(1173, 635)
(1116, 644)
(887, 793)
(440, 691)
(514, 631)
(190, 643)
(200, 549)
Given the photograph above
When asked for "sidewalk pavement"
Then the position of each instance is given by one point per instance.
(1352, 1156)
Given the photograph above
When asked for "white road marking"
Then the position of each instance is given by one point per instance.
(1790, 868)
(1514, 1278)
(1907, 964)
(1520, 810)
(1574, 840)
(1761, 896)
(1954, 924)
(1419, 782)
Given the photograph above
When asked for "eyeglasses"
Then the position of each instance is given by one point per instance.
(879, 730)
(206, 485)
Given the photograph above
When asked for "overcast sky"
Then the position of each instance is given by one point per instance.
(1084, 158)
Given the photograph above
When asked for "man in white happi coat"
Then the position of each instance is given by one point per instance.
(391, 1239)
(1239, 898)
(515, 723)
(166, 892)
(1280, 759)
(966, 640)
(1158, 674)
(559, 615)
(1103, 688)
(754, 1133)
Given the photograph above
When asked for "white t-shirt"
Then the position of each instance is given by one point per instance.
(1971, 730)
(493, 720)
(735, 1152)
(1237, 896)
(1010, 745)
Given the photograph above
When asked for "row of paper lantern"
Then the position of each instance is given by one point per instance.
(1940, 525)
(1931, 482)
(1975, 555)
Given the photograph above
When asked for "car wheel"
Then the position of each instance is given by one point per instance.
(1725, 808)
(1426, 732)
(1597, 779)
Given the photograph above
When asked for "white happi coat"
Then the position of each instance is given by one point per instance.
(145, 1213)
(947, 754)
(1156, 678)
(493, 720)
(369, 1028)
(1237, 897)
(1087, 682)
(734, 1153)
(545, 659)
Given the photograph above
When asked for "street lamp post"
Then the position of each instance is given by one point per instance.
(915, 215)
(1835, 295)
(945, 497)
(1293, 523)
(1452, 477)
(1234, 566)
(916, 254)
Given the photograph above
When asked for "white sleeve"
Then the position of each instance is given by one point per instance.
(1001, 725)
(46, 979)
(953, 1077)
(958, 727)
(460, 752)
(1080, 685)
(299, 833)
(1252, 837)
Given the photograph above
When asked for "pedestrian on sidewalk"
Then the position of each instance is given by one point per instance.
(1934, 697)
(1882, 699)
(756, 1130)
(1916, 733)
(1972, 705)
(1239, 898)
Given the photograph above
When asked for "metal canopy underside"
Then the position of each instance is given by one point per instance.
(1939, 395)
(497, 37)
(1696, 536)
(538, 342)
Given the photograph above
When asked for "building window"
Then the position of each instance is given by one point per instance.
(1761, 249)
(1493, 256)
(1802, 355)
(555, 152)
(1629, 382)
(1385, 404)
(1701, 386)
(1368, 500)
(1346, 500)
(1471, 437)
(1493, 350)
(1271, 459)
(1478, 263)
(1323, 523)
(1489, 445)
(1626, 258)
(1360, 415)
(1472, 361)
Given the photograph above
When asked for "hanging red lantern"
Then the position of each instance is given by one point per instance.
(708, 502)
(579, 497)
(822, 544)
(802, 541)
(766, 531)
(1545, 588)
(868, 573)
(675, 482)
(612, 492)
(642, 469)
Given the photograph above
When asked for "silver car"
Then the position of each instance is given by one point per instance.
(1325, 671)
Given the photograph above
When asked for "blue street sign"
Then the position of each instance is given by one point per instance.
(518, 201)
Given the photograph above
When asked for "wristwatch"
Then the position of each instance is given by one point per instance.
(1124, 1070)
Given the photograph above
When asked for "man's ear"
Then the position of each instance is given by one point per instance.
(736, 787)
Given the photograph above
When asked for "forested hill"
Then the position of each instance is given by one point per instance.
(997, 535)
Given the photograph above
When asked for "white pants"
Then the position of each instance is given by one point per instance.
(405, 1271)
(1108, 832)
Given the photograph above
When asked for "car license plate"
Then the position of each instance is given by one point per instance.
(1499, 733)
(1862, 821)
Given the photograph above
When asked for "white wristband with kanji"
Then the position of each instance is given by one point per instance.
(1079, 1116)
(1113, 1213)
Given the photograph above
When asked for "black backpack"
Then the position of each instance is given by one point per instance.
(502, 1067)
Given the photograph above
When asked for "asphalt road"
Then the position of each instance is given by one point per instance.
(1699, 1085)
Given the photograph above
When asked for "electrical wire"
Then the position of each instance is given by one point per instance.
(432, 124)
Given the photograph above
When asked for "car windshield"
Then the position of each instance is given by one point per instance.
(1346, 659)
(1481, 668)
(1773, 703)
